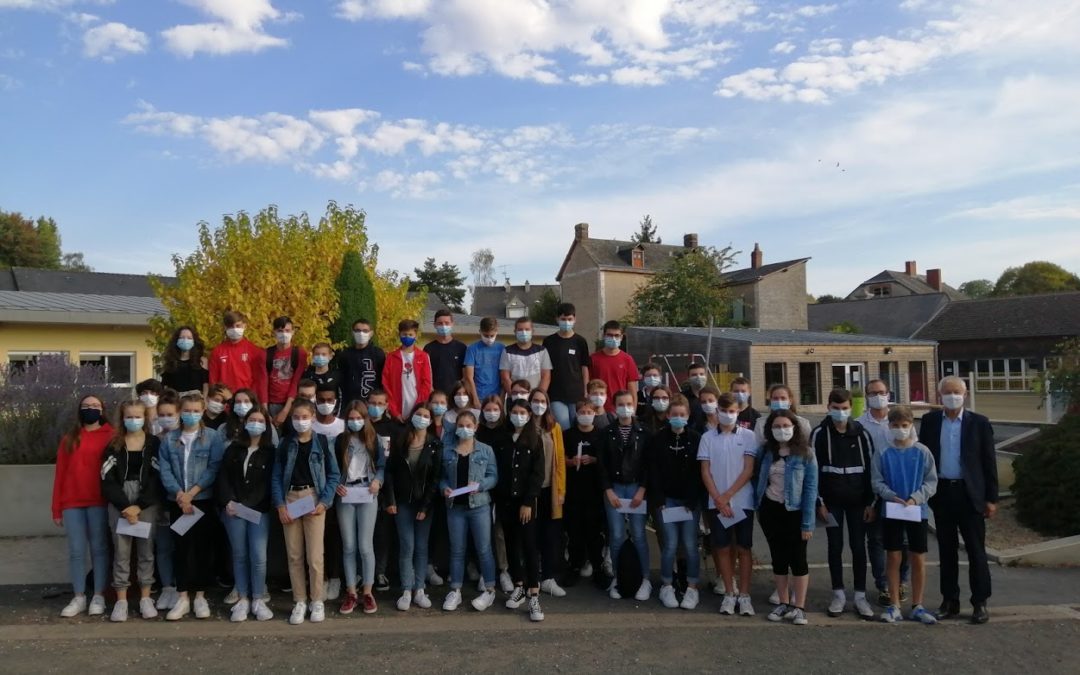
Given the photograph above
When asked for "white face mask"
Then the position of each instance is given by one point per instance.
(149, 400)
(878, 402)
(461, 401)
(952, 401)
(727, 419)
(652, 380)
(698, 380)
(326, 408)
(625, 412)
(585, 420)
(900, 433)
(783, 434)
(284, 337)
(234, 333)
(742, 397)
(598, 399)
(242, 409)
(215, 407)
(519, 419)
(492, 416)
(488, 340)
(660, 405)
(539, 408)
(708, 408)
(361, 337)
(301, 425)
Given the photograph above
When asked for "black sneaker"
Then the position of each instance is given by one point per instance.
(382, 583)
(884, 599)
(903, 594)
(517, 598)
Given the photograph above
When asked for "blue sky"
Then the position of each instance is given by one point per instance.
(460, 124)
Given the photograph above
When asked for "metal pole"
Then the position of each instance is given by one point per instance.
(708, 355)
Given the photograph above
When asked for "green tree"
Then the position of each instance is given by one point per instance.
(34, 243)
(1034, 278)
(545, 309)
(688, 292)
(446, 281)
(356, 298)
(827, 298)
(977, 288)
(844, 327)
(482, 267)
(1062, 376)
(646, 233)
(74, 262)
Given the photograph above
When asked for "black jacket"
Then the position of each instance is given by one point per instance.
(585, 477)
(674, 469)
(415, 485)
(520, 463)
(843, 463)
(978, 458)
(114, 471)
(252, 489)
(624, 462)
(361, 372)
(697, 415)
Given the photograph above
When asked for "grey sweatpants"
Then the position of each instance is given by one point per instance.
(122, 544)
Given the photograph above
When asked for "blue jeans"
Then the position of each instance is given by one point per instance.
(163, 550)
(685, 532)
(412, 546)
(616, 523)
(357, 525)
(87, 526)
(564, 413)
(248, 543)
(463, 521)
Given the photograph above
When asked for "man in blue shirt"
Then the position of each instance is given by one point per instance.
(482, 359)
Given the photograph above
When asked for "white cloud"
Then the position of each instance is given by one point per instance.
(9, 83)
(48, 5)
(1035, 208)
(784, 47)
(113, 39)
(419, 185)
(239, 27)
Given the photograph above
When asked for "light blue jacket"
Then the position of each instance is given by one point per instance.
(800, 485)
(482, 470)
(203, 462)
(323, 464)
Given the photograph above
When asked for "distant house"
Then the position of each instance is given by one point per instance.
(600, 276)
(894, 315)
(508, 301)
(890, 284)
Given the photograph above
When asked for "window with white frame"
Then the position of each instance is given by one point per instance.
(119, 366)
(19, 360)
(1008, 374)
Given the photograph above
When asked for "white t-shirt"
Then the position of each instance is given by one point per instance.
(725, 453)
(359, 463)
(187, 438)
(331, 430)
(408, 384)
(251, 451)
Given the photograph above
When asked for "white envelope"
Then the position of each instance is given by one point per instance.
(359, 494)
(245, 513)
(737, 516)
(463, 491)
(184, 522)
(139, 529)
(642, 508)
(301, 507)
(677, 514)
(830, 521)
(896, 511)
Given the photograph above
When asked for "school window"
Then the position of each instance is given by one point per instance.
(881, 291)
(1010, 374)
(775, 373)
(810, 383)
(119, 368)
(515, 312)
(889, 372)
(20, 360)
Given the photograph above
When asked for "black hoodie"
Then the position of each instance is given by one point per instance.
(844, 463)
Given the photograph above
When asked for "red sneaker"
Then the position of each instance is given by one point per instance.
(369, 604)
(349, 605)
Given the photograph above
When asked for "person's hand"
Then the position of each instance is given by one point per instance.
(422, 515)
(639, 497)
(806, 535)
(990, 511)
(283, 515)
(475, 486)
(131, 513)
(375, 486)
(899, 501)
(869, 514)
(179, 499)
(230, 509)
(59, 522)
(446, 493)
(320, 509)
(562, 500)
(721, 501)
(726, 511)
(280, 418)
(525, 514)
(588, 459)
(392, 509)
(613, 500)
(573, 462)
(910, 502)
(187, 508)
(822, 512)
(341, 490)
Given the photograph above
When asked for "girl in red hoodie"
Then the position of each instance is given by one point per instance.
(79, 507)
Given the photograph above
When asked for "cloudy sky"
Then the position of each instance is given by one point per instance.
(862, 134)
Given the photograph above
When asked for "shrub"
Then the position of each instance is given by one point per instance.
(37, 405)
(356, 297)
(1047, 475)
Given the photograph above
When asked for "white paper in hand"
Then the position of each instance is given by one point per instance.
(140, 529)
(676, 514)
(737, 516)
(642, 508)
(184, 522)
(830, 521)
(896, 511)
(358, 495)
(463, 491)
(246, 513)
(301, 507)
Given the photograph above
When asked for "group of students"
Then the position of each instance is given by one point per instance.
(545, 458)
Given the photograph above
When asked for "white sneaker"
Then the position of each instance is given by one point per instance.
(299, 610)
(233, 597)
(549, 586)
(727, 607)
(799, 618)
(202, 608)
(147, 609)
(484, 600)
(535, 612)
(862, 607)
(181, 609)
(97, 606)
(333, 589)
(608, 569)
(718, 587)
(266, 595)
(167, 598)
(586, 570)
(452, 601)
(746, 608)
(119, 611)
(74, 608)
(421, 600)
(433, 577)
(643, 591)
(261, 611)
(839, 602)
(480, 586)
(472, 572)
(405, 601)
(667, 597)
(613, 590)
(505, 582)
(318, 612)
(240, 611)
(689, 599)
(774, 599)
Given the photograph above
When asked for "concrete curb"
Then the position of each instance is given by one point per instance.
(1053, 553)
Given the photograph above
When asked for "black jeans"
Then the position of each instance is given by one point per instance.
(585, 523)
(783, 530)
(549, 538)
(521, 540)
(853, 514)
(954, 514)
(333, 556)
(194, 552)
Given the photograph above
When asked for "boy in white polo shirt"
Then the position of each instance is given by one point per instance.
(727, 456)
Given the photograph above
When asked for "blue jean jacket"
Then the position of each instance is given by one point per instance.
(800, 485)
(323, 464)
(202, 464)
(482, 470)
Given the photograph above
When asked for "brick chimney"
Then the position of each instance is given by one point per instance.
(933, 279)
(910, 268)
(581, 231)
(689, 240)
(756, 257)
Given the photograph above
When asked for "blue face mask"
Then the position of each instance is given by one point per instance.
(320, 361)
(407, 341)
(421, 422)
(255, 428)
(133, 423)
(185, 344)
(840, 415)
(523, 335)
(355, 425)
(375, 411)
(779, 405)
(566, 326)
(190, 419)
(443, 331)
(465, 434)
(610, 342)
(438, 409)
(677, 422)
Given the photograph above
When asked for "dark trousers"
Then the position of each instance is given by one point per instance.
(955, 516)
(549, 537)
(333, 561)
(439, 553)
(194, 552)
(521, 541)
(583, 514)
(783, 531)
(853, 514)
(385, 541)
(875, 551)
(223, 565)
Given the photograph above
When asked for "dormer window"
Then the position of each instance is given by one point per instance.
(637, 257)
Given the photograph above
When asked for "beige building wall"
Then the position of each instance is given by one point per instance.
(780, 300)
(581, 286)
(77, 340)
(617, 290)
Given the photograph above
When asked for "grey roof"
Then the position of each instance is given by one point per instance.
(762, 336)
(77, 308)
(90, 283)
(492, 300)
(466, 324)
(749, 274)
(916, 284)
(898, 316)
(1026, 316)
(434, 302)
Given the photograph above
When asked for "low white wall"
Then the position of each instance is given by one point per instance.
(25, 499)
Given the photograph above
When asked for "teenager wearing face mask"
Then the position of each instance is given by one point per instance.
(78, 505)
(697, 377)
(387, 431)
(362, 466)
(843, 449)
(321, 370)
(650, 379)
(407, 375)
(525, 360)
(569, 354)
(182, 367)
(216, 405)
(708, 400)
(583, 513)
(614, 366)
(131, 484)
(446, 353)
(460, 401)
(244, 401)
(495, 430)
(328, 424)
(780, 398)
(482, 359)
(740, 389)
(597, 395)
(519, 391)
(655, 416)
(361, 364)
(244, 480)
(236, 362)
(285, 363)
(168, 418)
(149, 393)
(549, 512)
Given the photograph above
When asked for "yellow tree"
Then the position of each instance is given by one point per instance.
(392, 304)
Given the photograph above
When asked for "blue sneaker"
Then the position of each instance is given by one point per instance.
(892, 614)
(919, 613)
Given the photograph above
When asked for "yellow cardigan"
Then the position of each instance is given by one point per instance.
(558, 473)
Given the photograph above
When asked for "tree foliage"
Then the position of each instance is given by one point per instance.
(688, 292)
(392, 304)
(844, 327)
(1046, 476)
(356, 298)
(646, 233)
(482, 267)
(34, 243)
(446, 281)
(827, 298)
(977, 288)
(1034, 278)
(1062, 376)
(545, 309)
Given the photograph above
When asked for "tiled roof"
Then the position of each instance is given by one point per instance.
(35, 307)
(1049, 315)
(491, 300)
(899, 316)
(748, 274)
(915, 284)
(761, 336)
(89, 283)
(469, 324)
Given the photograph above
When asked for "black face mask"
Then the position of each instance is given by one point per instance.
(89, 416)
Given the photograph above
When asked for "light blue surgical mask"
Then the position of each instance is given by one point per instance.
(465, 434)
(134, 423)
(519, 419)
(611, 342)
(523, 335)
(255, 428)
(840, 415)
(677, 422)
(355, 424)
(190, 419)
(566, 326)
(438, 409)
(779, 405)
(421, 422)
(651, 381)
(443, 331)
(375, 411)
(242, 409)
(185, 344)
(320, 360)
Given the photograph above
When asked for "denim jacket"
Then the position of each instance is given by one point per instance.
(482, 470)
(203, 463)
(800, 485)
(324, 469)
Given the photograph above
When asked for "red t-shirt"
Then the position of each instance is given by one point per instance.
(616, 371)
(239, 365)
(283, 378)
